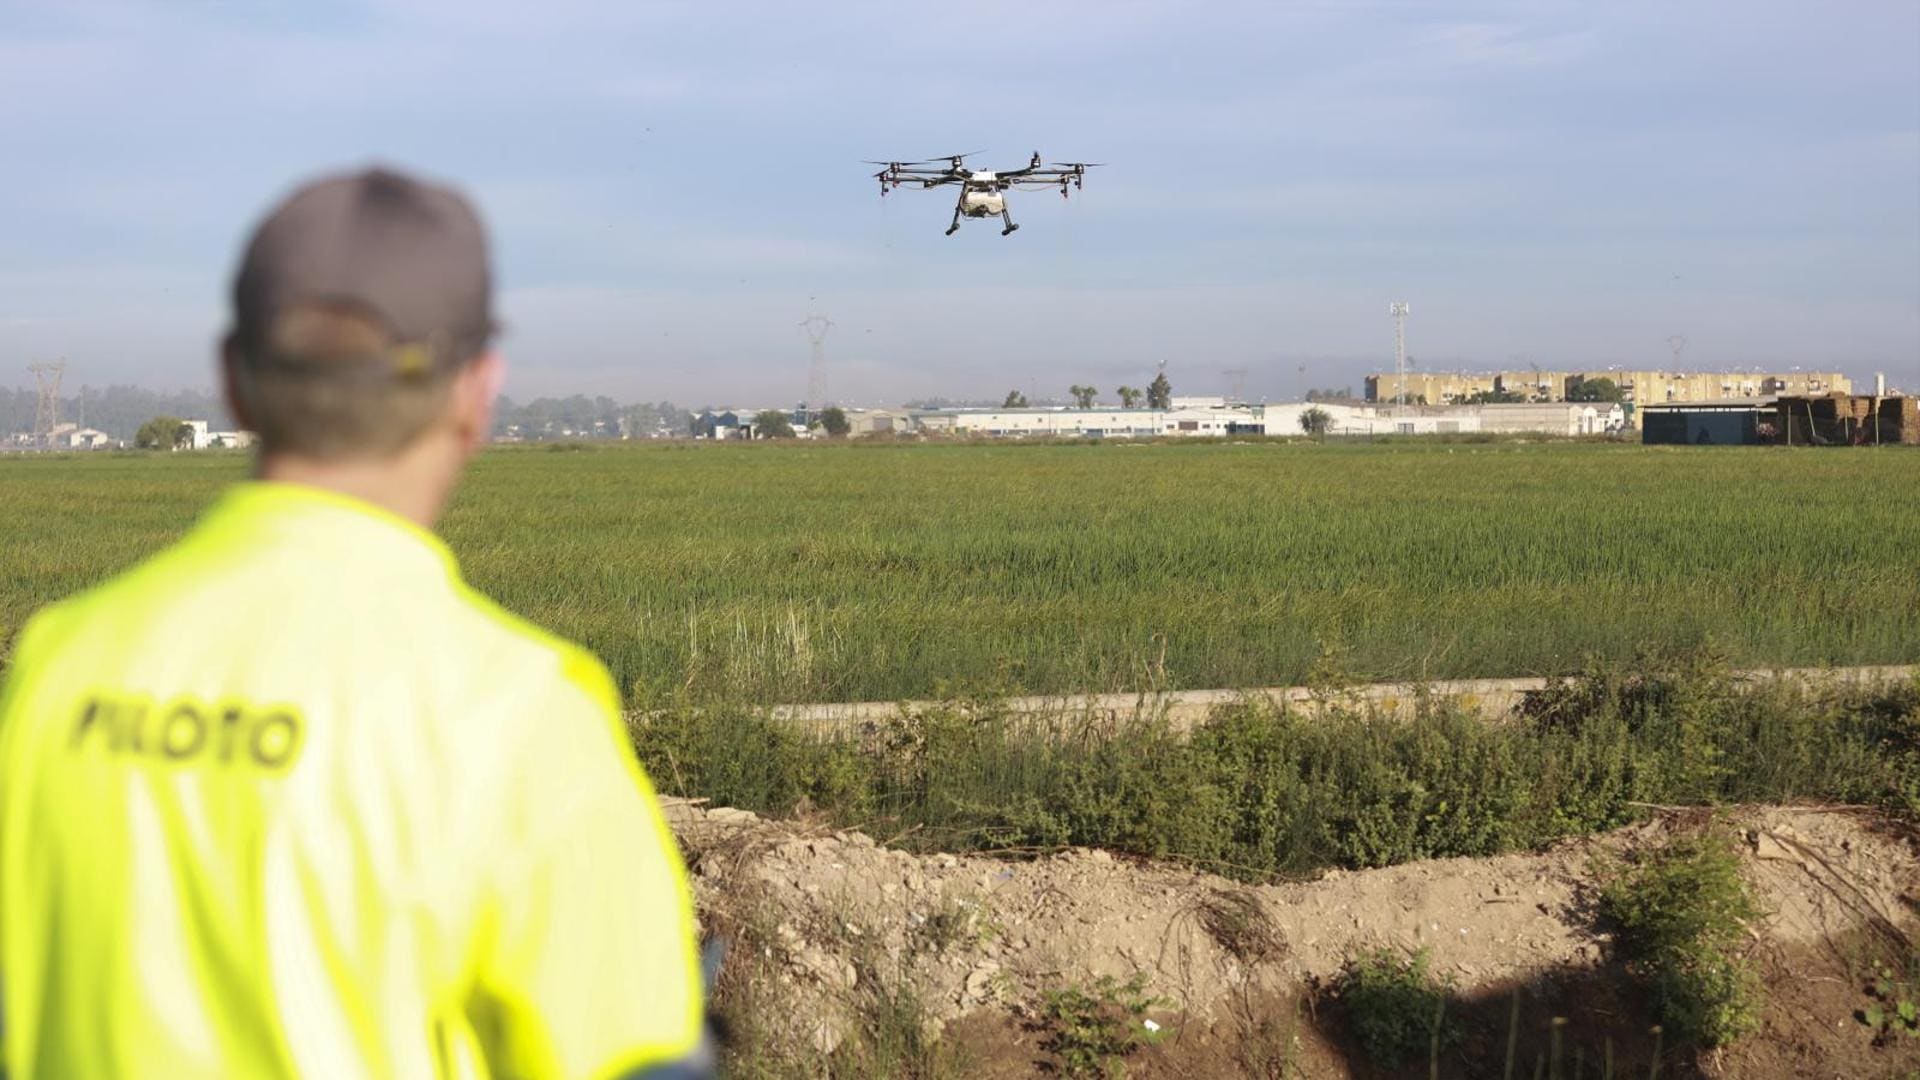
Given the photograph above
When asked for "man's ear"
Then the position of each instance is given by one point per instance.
(230, 387)
(475, 391)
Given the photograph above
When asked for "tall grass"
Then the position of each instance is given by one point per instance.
(792, 573)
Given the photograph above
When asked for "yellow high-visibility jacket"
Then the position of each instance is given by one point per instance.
(290, 799)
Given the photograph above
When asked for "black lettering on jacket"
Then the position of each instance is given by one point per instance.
(189, 732)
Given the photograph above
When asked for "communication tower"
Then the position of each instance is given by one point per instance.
(1398, 309)
(46, 414)
(1238, 377)
(816, 327)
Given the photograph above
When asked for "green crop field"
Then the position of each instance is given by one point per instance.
(796, 572)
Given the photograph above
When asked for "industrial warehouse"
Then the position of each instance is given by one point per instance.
(1639, 387)
(1837, 419)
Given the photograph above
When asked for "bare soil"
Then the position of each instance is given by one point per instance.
(822, 920)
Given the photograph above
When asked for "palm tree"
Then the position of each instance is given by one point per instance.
(1083, 395)
(1130, 396)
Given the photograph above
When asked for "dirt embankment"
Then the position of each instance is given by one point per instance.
(821, 920)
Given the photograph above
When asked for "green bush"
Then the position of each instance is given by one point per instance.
(1259, 794)
(1395, 1005)
(1681, 912)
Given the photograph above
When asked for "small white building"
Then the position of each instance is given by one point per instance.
(88, 439)
(863, 423)
(1284, 418)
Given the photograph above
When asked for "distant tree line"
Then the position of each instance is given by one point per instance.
(120, 411)
(583, 417)
(1158, 394)
(1342, 395)
(1600, 389)
(117, 410)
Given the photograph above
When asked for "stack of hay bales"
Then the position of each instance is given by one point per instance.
(1839, 419)
(1900, 420)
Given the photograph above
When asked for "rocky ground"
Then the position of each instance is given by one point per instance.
(825, 923)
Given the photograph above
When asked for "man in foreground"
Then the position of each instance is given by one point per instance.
(290, 799)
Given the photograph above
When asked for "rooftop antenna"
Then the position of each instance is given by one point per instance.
(1398, 309)
(1239, 384)
(1678, 343)
(46, 414)
(816, 327)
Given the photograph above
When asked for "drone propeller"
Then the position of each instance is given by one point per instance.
(926, 161)
(1078, 164)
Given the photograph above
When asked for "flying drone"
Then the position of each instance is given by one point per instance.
(981, 192)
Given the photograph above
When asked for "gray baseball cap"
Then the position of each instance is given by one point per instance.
(410, 255)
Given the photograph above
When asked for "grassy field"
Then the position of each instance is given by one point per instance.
(873, 572)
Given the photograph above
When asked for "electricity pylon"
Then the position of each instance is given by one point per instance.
(816, 327)
(46, 413)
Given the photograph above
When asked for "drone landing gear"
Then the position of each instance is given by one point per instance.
(1008, 218)
(955, 227)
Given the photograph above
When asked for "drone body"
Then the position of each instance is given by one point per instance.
(982, 194)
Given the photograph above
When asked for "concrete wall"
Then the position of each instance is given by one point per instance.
(1563, 418)
(1412, 420)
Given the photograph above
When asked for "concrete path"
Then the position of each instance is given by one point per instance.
(1494, 698)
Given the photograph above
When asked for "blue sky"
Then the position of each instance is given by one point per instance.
(673, 186)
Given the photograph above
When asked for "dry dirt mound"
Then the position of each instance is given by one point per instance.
(828, 909)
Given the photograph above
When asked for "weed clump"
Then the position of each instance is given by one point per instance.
(1681, 911)
(1893, 1008)
(1092, 1029)
(1395, 1005)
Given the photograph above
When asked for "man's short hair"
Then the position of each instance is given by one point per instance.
(357, 302)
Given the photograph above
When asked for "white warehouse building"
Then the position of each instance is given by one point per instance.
(1545, 418)
(1195, 420)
